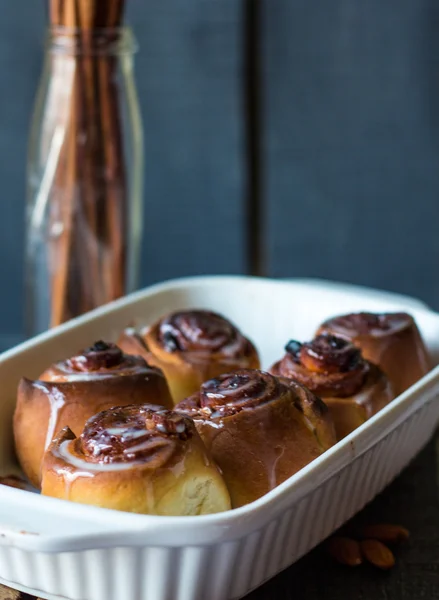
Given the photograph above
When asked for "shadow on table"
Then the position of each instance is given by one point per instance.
(413, 501)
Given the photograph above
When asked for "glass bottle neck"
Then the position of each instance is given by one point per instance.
(91, 42)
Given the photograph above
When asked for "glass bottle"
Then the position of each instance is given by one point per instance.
(84, 177)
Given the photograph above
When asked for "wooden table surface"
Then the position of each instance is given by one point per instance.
(413, 501)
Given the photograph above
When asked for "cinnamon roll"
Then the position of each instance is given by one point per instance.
(71, 391)
(390, 340)
(191, 347)
(140, 458)
(259, 429)
(334, 369)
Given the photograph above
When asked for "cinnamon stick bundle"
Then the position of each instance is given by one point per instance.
(89, 194)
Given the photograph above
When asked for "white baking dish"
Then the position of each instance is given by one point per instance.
(57, 549)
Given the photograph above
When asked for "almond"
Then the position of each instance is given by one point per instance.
(345, 551)
(377, 553)
(8, 594)
(384, 532)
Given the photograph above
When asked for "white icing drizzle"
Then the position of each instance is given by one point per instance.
(130, 331)
(65, 375)
(80, 377)
(218, 424)
(70, 477)
(272, 480)
(269, 457)
(126, 433)
(57, 401)
(230, 391)
(143, 445)
(89, 469)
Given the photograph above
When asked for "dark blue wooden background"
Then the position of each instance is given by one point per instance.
(314, 123)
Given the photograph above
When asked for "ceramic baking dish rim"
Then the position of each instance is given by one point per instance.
(131, 529)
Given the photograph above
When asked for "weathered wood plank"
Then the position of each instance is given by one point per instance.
(21, 43)
(189, 73)
(189, 79)
(351, 141)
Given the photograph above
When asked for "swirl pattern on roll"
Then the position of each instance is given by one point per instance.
(260, 429)
(334, 369)
(136, 458)
(100, 360)
(71, 391)
(370, 323)
(192, 346)
(228, 394)
(131, 433)
(201, 332)
(326, 365)
(390, 340)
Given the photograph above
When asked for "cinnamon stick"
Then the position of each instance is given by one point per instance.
(90, 195)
